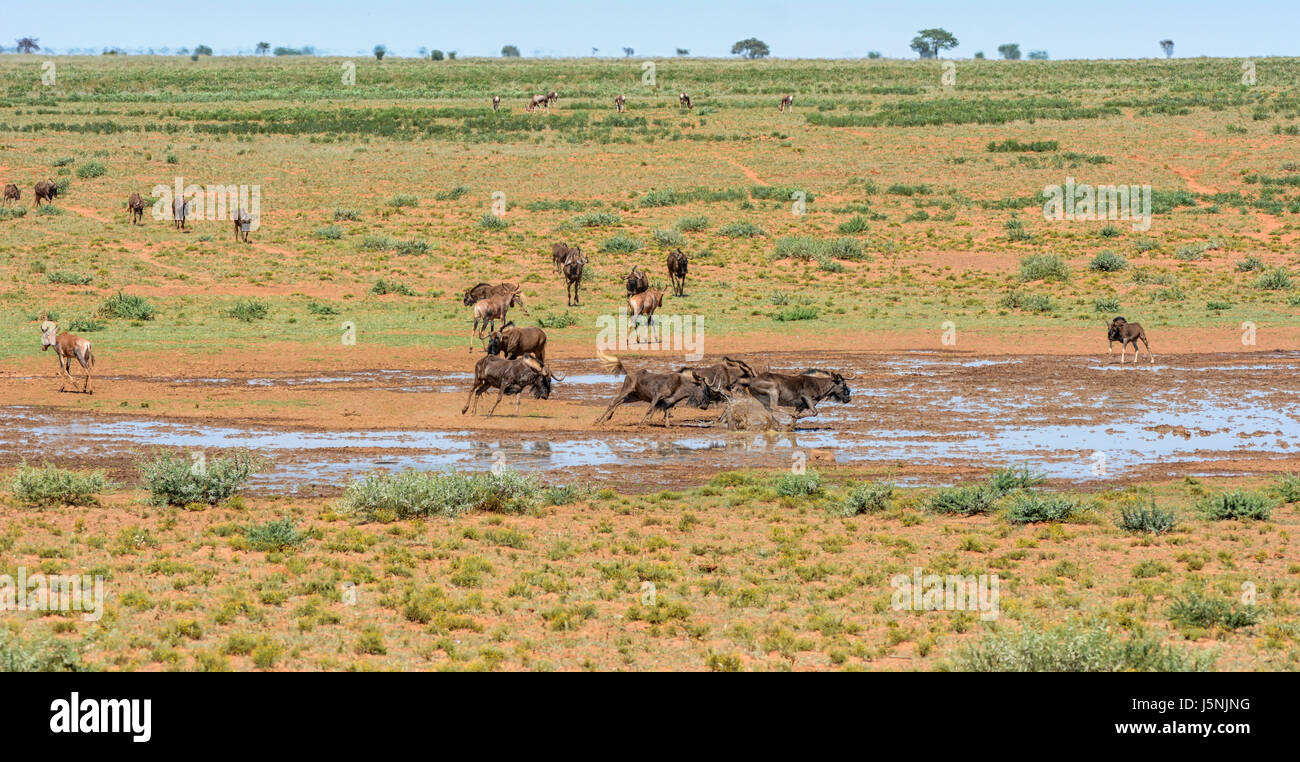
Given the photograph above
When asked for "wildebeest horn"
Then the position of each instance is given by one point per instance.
(848, 376)
(552, 373)
(48, 326)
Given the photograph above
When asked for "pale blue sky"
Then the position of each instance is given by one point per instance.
(793, 28)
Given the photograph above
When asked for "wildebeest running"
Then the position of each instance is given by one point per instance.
(662, 390)
(509, 377)
(801, 392)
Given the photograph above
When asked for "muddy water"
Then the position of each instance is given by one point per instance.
(1079, 419)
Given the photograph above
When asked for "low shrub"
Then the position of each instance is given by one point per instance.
(1237, 504)
(389, 497)
(173, 479)
(53, 486)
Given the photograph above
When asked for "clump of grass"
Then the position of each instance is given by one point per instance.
(1011, 145)
(249, 310)
(668, 238)
(12, 212)
(128, 307)
(1106, 304)
(281, 534)
(1075, 647)
(1108, 262)
(328, 232)
(596, 219)
(1016, 230)
(48, 654)
(347, 215)
(1205, 612)
(791, 314)
(451, 195)
(1030, 507)
(693, 224)
(322, 308)
(741, 230)
(1251, 263)
(866, 498)
(620, 244)
(383, 287)
(967, 500)
(1147, 520)
(389, 497)
(85, 324)
(173, 479)
(1011, 478)
(853, 226)
(1044, 267)
(490, 221)
(1237, 504)
(91, 169)
(53, 486)
(563, 320)
(403, 200)
(799, 485)
(68, 279)
(1287, 487)
(1020, 300)
(1277, 279)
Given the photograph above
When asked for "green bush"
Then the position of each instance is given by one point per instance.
(388, 497)
(1251, 263)
(91, 169)
(796, 313)
(1143, 520)
(1012, 145)
(1019, 300)
(249, 310)
(668, 238)
(1032, 507)
(620, 244)
(450, 195)
(383, 287)
(856, 225)
(693, 224)
(799, 485)
(866, 498)
(596, 219)
(403, 199)
(173, 479)
(1237, 504)
(1074, 647)
(280, 534)
(1277, 279)
(1011, 478)
(967, 500)
(47, 654)
(490, 221)
(68, 279)
(1107, 304)
(54, 486)
(329, 232)
(1196, 610)
(1044, 267)
(127, 307)
(347, 215)
(1108, 262)
(1287, 488)
(741, 230)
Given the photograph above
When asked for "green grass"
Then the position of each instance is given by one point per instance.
(51, 486)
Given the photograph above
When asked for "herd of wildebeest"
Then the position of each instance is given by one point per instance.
(515, 359)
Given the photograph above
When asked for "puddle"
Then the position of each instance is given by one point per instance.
(1052, 414)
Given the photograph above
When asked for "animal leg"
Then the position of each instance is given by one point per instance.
(473, 395)
(500, 394)
(653, 403)
(1150, 357)
(609, 411)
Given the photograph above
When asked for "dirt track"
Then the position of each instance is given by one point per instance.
(921, 416)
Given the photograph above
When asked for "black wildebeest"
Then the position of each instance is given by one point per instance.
(637, 282)
(662, 390)
(243, 225)
(677, 264)
(496, 102)
(684, 101)
(12, 193)
(801, 392)
(1126, 333)
(619, 103)
(135, 205)
(484, 290)
(67, 347)
(180, 210)
(46, 191)
(537, 101)
(574, 264)
(513, 342)
(559, 253)
(787, 103)
(488, 311)
(509, 377)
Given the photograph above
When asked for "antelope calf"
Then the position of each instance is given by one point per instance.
(684, 101)
(12, 193)
(135, 205)
(787, 103)
(619, 103)
(496, 102)
(1126, 333)
(491, 309)
(66, 348)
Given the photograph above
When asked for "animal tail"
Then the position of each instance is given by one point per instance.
(612, 364)
(90, 358)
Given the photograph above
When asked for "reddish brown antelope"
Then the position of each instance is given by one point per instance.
(684, 101)
(12, 193)
(66, 348)
(488, 311)
(1126, 333)
(787, 103)
(135, 205)
(551, 98)
(644, 303)
(619, 103)
(496, 102)
(537, 102)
